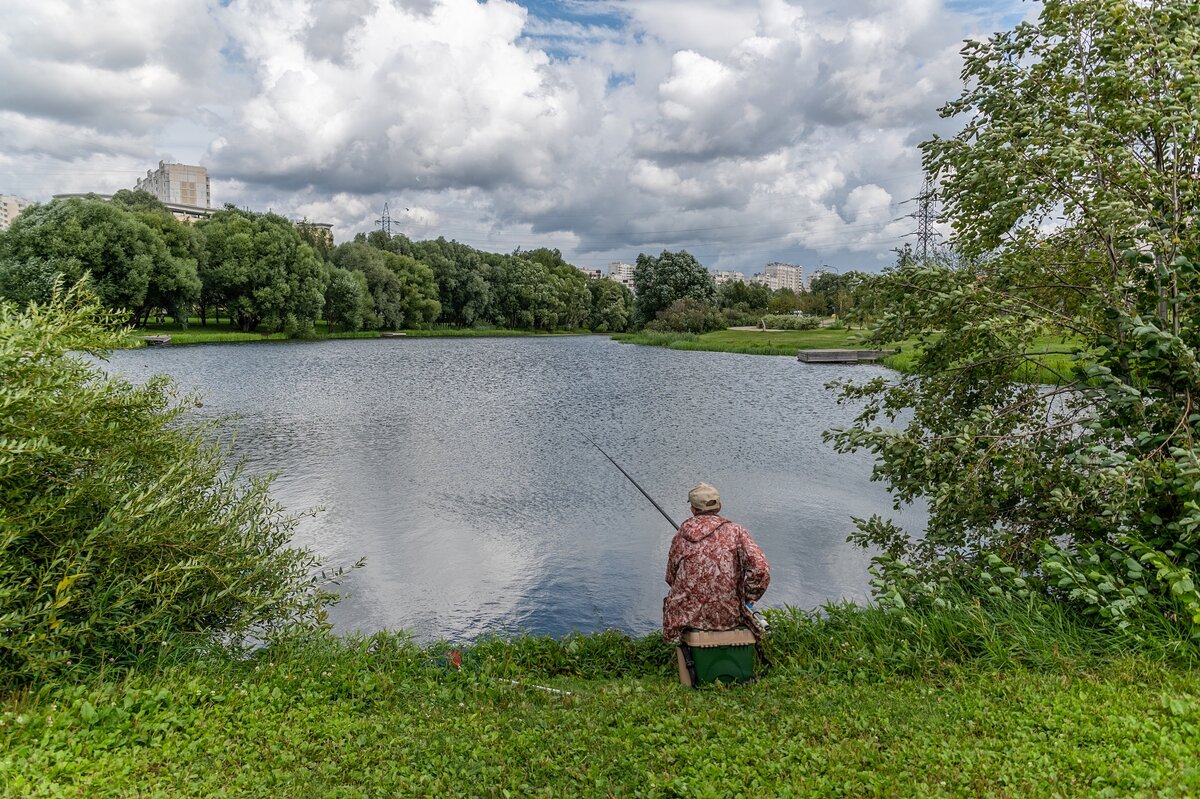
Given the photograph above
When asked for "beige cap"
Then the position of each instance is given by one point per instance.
(704, 498)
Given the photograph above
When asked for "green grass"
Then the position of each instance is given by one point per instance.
(225, 333)
(845, 713)
(748, 342)
(1052, 366)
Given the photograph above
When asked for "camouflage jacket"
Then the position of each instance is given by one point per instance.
(713, 568)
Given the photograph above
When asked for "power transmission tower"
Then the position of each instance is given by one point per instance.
(925, 216)
(385, 222)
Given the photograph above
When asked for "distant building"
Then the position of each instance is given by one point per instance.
(729, 277)
(10, 207)
(178, 184)
(591, 274)
(783, 276)
(622, 273)
(323, 230)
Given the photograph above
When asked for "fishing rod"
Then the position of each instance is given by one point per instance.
(635, 483)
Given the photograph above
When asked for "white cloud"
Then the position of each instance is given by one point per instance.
(744, 131)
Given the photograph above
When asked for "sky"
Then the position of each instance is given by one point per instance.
(744, 131)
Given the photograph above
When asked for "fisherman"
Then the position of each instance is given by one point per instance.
(714, 569)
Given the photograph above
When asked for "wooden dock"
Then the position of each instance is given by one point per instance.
(842, 356)
(156, 341)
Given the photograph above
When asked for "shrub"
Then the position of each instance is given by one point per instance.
(790, 322)
(123, 528)
(688, 315)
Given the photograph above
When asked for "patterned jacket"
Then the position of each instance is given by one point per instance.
(714, 567)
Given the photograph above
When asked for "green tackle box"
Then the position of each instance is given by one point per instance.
(719, 656)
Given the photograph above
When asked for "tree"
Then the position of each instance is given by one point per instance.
(464, 279)
(660, 281)
(612, 306)
(347, 299)
(783, 301)
(825, 288)
(418, 290)
(750, 297)
(174, 283)
(525, 294)
(131, 265)
(688, 315)
(261, 272)
(123, 528)
(403, 291)
(1074, 179)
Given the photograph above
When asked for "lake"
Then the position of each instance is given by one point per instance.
(461, 471)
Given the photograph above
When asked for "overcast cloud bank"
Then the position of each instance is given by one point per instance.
(744, 131)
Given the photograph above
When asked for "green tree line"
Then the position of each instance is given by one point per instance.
(263, 273)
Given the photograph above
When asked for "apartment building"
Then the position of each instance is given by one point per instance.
(622, 273)
(729, 277)
(178, 184)
(778, 275)
(10, 207)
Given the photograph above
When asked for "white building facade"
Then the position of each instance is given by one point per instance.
(178, 184)
(783, 276)
(622, 273)
(10, 207)
(728, 277)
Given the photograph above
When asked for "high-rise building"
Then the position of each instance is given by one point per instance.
(622, 273)
(10, 207)
(178, 184)
(783, 276)
(728, 277)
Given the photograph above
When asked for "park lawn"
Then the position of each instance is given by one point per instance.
(364, 720)
(749, 342)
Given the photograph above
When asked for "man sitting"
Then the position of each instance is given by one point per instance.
(714, 569)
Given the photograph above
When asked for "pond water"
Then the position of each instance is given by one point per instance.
(461, 471)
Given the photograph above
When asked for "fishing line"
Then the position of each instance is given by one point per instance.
(635, 482)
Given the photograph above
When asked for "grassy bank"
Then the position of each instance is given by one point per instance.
(842, 714)
(747, 342)
(1049, 360)
(228, 334)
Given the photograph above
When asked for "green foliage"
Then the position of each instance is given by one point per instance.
(783, 301)
(752, 297)
(132, 265)
(174, 283)
(465, 286)
(687, 315)
(526, 295)
(1073, 187)
(660, 281)
(612, 306)
(260, 272)
(29, 279)
(382, 716)
(348, 301)
(123, 530)
(791, 322)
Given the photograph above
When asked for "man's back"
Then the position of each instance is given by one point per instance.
(714, 566)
